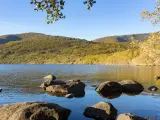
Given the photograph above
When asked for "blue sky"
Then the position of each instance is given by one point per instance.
(106, 18)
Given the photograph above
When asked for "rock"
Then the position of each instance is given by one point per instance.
(109, 88)
(50, 77)
(51, 82)
(153, 88)
(131, 87)
(58, 90)
(76, 87)
(157, 77)
(129, 116)
(101, 111)
(69, 95)
(0, 89)
(33, 111)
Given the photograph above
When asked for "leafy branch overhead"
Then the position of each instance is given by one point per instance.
(54, 8)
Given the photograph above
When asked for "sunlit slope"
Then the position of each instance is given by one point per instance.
(123, 38)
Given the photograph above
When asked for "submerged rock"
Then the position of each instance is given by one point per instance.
(108, 88)
(129, 116)
(33, 111)
(131, 87)
(101, 111)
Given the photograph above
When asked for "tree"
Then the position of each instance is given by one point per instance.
(54, 8)
(154, 16)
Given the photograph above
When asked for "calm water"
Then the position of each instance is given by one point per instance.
(20, 83)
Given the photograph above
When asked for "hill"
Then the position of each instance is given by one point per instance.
(38, 48)
(34, 48)
(122, 38)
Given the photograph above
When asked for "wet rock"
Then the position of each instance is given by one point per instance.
(109, 88)
(101, 111)
(131, 87)
(50, 77)
(69, 95)
(33, 111)
(129, 116)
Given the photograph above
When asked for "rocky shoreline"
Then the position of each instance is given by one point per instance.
(70, 89)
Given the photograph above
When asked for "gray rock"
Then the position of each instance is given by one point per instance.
(109, 88)
(101, 111)
(50, 77)
(76, 87)
(129, 116)
(33, 111)
(131, 87)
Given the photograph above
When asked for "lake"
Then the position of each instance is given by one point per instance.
(20, 83)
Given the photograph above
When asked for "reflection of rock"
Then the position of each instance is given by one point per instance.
(129, 116)
(111, 95)
(0, 89)
(153, 88)
(75, 87)
(69, 95)
(94, 86)
(33, 111)
(131, 87)
(101, 111)
(109, 89)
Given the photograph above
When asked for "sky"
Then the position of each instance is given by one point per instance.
(106, 18)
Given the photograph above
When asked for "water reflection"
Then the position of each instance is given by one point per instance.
(21, 83)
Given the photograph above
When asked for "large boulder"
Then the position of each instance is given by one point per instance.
(33, 111)
(74, 87)
(131, 87)
(109, 88)
(101, 111)
(129, 116)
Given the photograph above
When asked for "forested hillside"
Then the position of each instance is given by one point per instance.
(37, 48)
